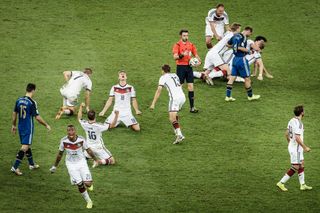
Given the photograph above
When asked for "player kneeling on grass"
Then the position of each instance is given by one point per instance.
(94, 137)
(123, 94)
(76, 162)
(176, 98)
(296, 147)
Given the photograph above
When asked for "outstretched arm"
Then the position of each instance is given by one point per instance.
(87, 100)
(135, 106)
(213, 29)
(80, 111)
(106, 106)
(156, 97)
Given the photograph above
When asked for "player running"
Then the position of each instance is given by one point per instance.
(176, 99)
(76, 162)
(296, 147)
(25, 109)
(240, 66)
(94, 132)
(123, 94)
(75, 82)
(216, 23)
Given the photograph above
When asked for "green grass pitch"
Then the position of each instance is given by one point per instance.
(234, 153)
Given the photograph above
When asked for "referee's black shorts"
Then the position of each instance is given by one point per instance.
(185, 73)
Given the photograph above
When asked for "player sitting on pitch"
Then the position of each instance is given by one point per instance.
(76, 162)
(176, 98)
(70, 91)
(123, 94)
(94, 136)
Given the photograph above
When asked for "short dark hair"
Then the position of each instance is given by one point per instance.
(248, 28)
(166, 68)
(259, 38)
(122, 71)
(298, 110)
(234, 26)
(30, 87)
(88, 70)
(70, 126)
(219, 5)
(183, 31)
(91, 115)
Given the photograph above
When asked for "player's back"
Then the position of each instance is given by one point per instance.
(220, 47)
(122, 96)
(295, 127)
(74, 149)
(26, 109)
(94, 132)
(77, 81)
(172, 83)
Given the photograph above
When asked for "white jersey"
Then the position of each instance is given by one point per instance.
(77, 82)
(94, 133)
(295, 127)
(172, 83)
(74, 149)
(220, 21)
(122, 97)
(221, 47)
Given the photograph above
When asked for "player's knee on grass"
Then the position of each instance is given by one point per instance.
(135, 127)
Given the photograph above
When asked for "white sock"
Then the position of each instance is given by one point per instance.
(215, 74)
(301, 178)
(178, 132)
(85, 195)
(285, 178)
(197, 74)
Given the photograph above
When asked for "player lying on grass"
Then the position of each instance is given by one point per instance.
(296, 147)
(25, 109)
(70, 91)
(76, 162)
(94, 132)
(176, 99)
(123, 95)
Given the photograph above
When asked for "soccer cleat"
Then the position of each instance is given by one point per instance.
(304, 187)
(16, 171)
(228, 99)
(254, 97)
(33, 167)
(282, 187)
(179, 139)
(194, 110)
(90, 188)
(89, 205)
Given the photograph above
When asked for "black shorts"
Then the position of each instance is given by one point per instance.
(185, 73)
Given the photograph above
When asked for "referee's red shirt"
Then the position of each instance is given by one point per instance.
(180, 47)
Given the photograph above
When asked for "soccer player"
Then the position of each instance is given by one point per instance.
(25, 109)
(94, 136)
(123, 94)
(240, 66)
(216, 23)
(76, 162)
(176, 99)
(296, 147)
(75, 82)
(182, 52)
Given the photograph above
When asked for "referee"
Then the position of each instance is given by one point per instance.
(182, 53)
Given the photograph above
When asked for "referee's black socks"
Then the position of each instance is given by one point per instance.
(191, 99)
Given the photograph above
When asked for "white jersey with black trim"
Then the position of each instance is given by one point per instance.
(94, 132)
(295, 127)
(221, 47)
(74, 149)
(172, 83)
(78, 81)
(122, 97)
(220, 21)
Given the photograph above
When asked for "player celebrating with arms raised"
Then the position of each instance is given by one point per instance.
(76, 162)
(296, 147)
(176, 98)
(123, 94)
(25, 109)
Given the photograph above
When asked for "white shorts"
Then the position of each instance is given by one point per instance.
(79, 172)
(296, 157)
(69, 99)
(100, 152)
(125, 117)
(212, 60)
(176, 104)
(208, 31)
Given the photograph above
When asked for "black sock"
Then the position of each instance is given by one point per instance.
(29, 156)
(191, 99)
(19, 158)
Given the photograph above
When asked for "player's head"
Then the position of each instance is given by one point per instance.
(87, 71)
(247, 31)
(298, 111)
(165, 68)
(122, 75)
(235, 27)
(260, 41)
(184, 35)
(92, 115)
(31, 88)
(220, 9)
(71, 131)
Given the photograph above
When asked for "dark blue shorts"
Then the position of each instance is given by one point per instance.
(26, 139)
(240, 67)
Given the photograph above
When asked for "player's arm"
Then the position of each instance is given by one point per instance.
(195, 54)
(87, 99)
(300, 142)
(80, 111)
(114, 122)
(156, 97)
(67, 75)
(176, 55)
(89, 151)
(213, 29)
(227, 27)
(56, 163)
(135, 105)
(41, 121)
(106, 106)
(14, 123)
(287, 135)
